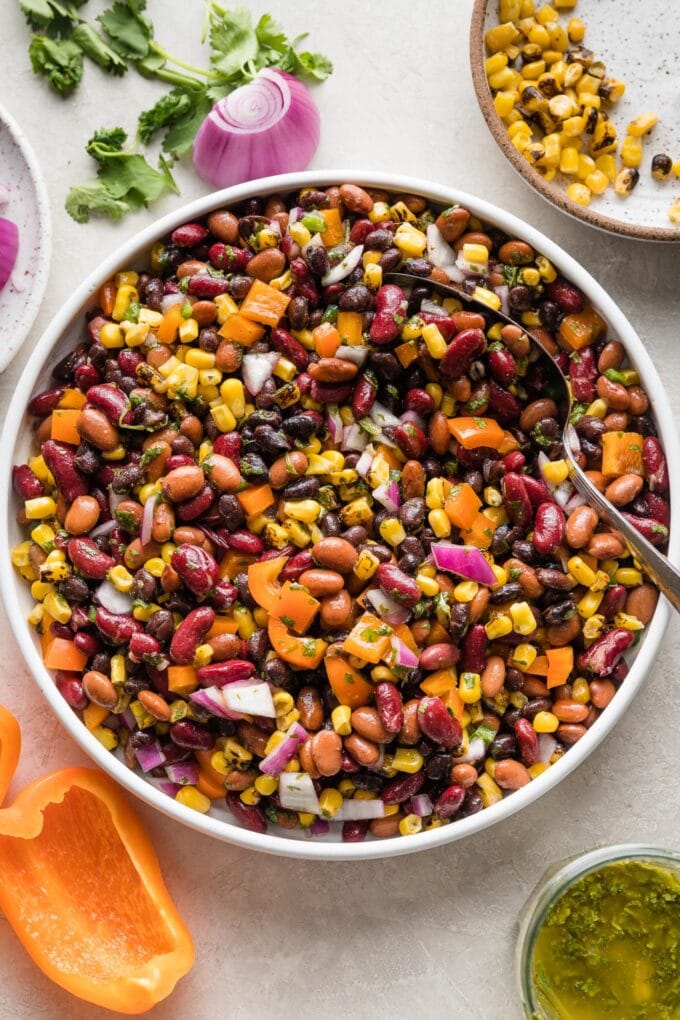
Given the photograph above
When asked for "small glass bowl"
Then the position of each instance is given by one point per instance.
(554, 884)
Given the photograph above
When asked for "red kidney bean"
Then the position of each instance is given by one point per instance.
(87, 643)
(61, 630)
(203, 286)
(198, 570)
(389, 704)
(403, 788)
(527, 741)
(504, 406)
(354, 832)
(219, 674)
(291, 348)
(514, 461)
(26, 483)
(613, 602)
(86, 376)
(364, 394)
(461, 352)
(197, 506)
(247, 543)
(549, 528)
(226, 256)
(439, 656)
(142, 644)
(502, 365)
(652, 505)
(418, 400)
(473, 656)
(71, 690)
(61, 460)
(109, 399)
(329, 393)
(179, 460)
(88, 558)
(437, 724)
(450, 801)
(654, 462)
(228, 444)
(44, 403)
(603, 655)
(411, 440)
(583, 375)
(189, 734)
(652, 530)
(567, 298)
(397, 585)
(297, 565)
(537, 491)
(190, 634)
(360, 231)
(118, 627)
(445, 324)
(250, 816)
(390, 298)
(189, 235)
(223, 595)
(516, 497)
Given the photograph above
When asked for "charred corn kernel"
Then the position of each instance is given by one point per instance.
(250, 796)
(524, 621)
(487, 297)
(223, 418)
(597, 181)
(56, 606)
(498, 627)
(580, 570)
(43, 536)
(662, 164)
(392, 531)
(498, 61)
(356, 512)
(373, 276)
(628, 576)
(20, 553)
(341, 720)
(576, 30)
(601, 581)
(203, 655)
(476, 253)
(625, 620)
(275, 535)
(407, 759)
(520, 127)
(556, 472)
(580, 690)
(545, 722)
(346, 787)
(546, 269)
(218, 762)
(410, 825)
(118, 453)
(39, 508)
(465, 591)
(410, 241)
(427, 585)
(306, 510)
(489, 791)
(504, 102)
(523, 656)
(143, 718)
(440, 523)
(631, 151)
(434, 341)
(469, 688)
(589, 604)
(236, 754)
(106, 737)
(297, 532)
(155, 565)
(245, 621)
(366, 565)
(593, 627)
(192, 798)
(266, 785)
(121, 578)
(579, 193)
(642, 124)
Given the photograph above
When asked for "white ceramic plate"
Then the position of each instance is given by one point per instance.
(27, 206)
(640, 45)
(65, 331)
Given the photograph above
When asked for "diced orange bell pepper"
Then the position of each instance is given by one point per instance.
(369, 639)
(208, 787)
(72, 399)
(453, 701)
(241, 330)
(204, 759)
(94, 715)
(406, 353)
(296, 607)
(222, 625)
(351, 328)
(63, 654)
(621, 454)
(539, 667)
(169, 328)
(182, 679)
(233, 563)
(118, 943)
(334, 232)
(348, 684)
(560, 665)
(462, 505)
(64, 428)
(263, 582)
(474, 432)
(326, 340)
(480, 532)
(439, 683)
(301, 652)
(107, 297)
(580, 329)
(264, 304)
(256, 499)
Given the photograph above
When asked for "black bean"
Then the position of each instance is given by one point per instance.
(74, 589)
(550, 577)
(439, 766)
(65, 369)
(514, 679)
(316, 258)
(471, 805)
(161, 625)
(520, 298)
(298, 313)
(257, 645)
(253, 468)
(125, 478)
(101, 662)
(270, 441)
(145, 585)
(509, 592)
(549, 314)
(355, 535)
(389, 259)
(459, 620)
(559, 612)
(385, 365)
(379, 239)
(313, 199)
(302, 488)
(331, 525)
(409, 563)
(239, 286)
(412, 545)
(475, 480)
(412, 513)
(418, 267)
(368, 781)
(241, 583)
(153, 293)
(504, 745)
(356, 299)
(300, 426)
(231, 513)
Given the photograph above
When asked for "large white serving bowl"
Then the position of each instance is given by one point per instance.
(66, 330)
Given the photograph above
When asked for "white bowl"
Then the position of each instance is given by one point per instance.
(64, 332)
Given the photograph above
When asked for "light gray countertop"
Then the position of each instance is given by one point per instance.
(434, 933)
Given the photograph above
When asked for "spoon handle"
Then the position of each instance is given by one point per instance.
(656, 565)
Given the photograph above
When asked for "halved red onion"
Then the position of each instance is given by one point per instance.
(269, 126)
(9, 247)
(343, 268)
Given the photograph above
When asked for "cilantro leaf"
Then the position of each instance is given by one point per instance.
(92, 44)
(130, 32)
(60, 62)
(50, 15)
(93, 197)
(313, 65)
(105, 143)
(169, 108)
(233, 40)
(270, 35)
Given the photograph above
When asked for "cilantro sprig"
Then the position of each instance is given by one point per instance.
(124, 39)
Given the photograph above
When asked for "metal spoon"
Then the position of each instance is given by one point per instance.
(657, 566)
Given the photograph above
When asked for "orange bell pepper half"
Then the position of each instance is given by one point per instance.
(81, 887)
(263, 582)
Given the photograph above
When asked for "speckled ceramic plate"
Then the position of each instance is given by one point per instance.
(27, 206)
(640, 45)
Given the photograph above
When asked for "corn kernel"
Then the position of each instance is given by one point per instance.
(407, 759)
(223, 418)
(631, 151)
(597, 181)
(523, 656)
(40, 508)
(498, 627)
(465, 591)
(545, 722)
(487, 297)
(579, 569)
(642, 124)
(330, 802)
(410, 825)
(236, 755)
(250, 796)
(56, 606)
(392, 531)
(593, 627)
(546, 269)
(434, 341)
(427, 585)
(589, 604)
(366, 565)
(624, 620)
(598, 409)
(440, 523)
(576, 30)
(501, 576)
(580, 690)
(341, 720)
(489, 791)
(578, 193)
(193, 798)
(524, 621)
(499, 60)
(469, 688)
(500, 36)
(266, 785)
(410, 241)
(233, 395)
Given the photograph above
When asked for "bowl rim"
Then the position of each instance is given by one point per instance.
(552, 192)
(140, 787)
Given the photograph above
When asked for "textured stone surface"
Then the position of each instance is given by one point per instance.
(413, 936)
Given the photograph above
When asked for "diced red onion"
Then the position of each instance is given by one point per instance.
(464, 560)
(147, 519)
(104, 529)
(386, 496)
(382, 417)
(297, 793)
(475, 751)
(9, 247)
(150, 757)
(275, 762)
(256, 369)
(359, 810)
(298, 731)
(320, 827)
(183, 772)
(432, 308)
(210, 698)
(352, 353)
(546, 747)
(110, 598)
(343, 268)
(334, 423)
(171, 789)
(421, 805)
(363, 465)
(413, 418)
(269, 126)
(575, 500)
(403, 656)
(441, 254)
(377, 765)
(253, 699)
(128, 720)
(386, 608)
(168, 300)
(354, 438)
(503, 292)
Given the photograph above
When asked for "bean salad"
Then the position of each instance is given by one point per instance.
(302, 541)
